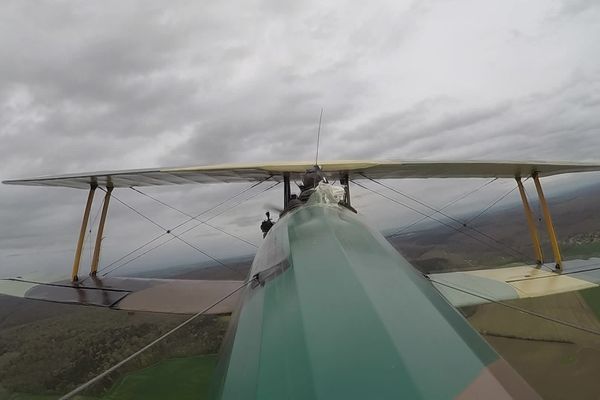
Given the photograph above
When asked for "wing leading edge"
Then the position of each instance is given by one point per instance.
(225, 173)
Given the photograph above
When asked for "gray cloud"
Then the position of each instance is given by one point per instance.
(136, 84)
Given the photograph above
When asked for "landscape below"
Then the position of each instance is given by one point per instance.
(48, 349)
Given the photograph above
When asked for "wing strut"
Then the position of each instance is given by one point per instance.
(286, 189)
(96, 257)
(84, 222)
(531, 224)
(549, 224)
(345, 182)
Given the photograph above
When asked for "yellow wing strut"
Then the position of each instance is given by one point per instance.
(96, 256)
(531, 224)
(84, 222)
(549, 224)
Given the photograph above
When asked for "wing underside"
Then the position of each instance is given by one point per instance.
(225, 173)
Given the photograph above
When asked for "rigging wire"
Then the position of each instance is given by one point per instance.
(221, 203)
(493, 204)
(168, 231)
(231, 207)
(422, 213)
(98, 377)
(141, 214)
(183, 223)
(464, 224)
(187, 230)
(193, 217)
(503, 247)
(463, 196)
(513, 307)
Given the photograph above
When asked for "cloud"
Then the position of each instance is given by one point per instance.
(135, 84)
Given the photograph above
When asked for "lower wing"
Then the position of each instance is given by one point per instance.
(177, 296)
(467, 288)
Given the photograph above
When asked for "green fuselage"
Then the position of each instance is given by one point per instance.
(334, 312)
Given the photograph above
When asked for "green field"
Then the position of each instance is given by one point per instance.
(178, 378)
(583, 250)
(592, 298)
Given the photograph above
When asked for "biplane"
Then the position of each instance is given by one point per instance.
(329, 309)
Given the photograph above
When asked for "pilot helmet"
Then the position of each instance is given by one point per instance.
(312, 177)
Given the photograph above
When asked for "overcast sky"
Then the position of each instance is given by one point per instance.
(122, 84)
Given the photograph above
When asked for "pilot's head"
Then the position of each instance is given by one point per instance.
(312, 177)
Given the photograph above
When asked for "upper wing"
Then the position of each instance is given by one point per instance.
(467, 288)
(134, 294)
(275, 171)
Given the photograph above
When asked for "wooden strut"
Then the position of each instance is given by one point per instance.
(96, 256)
(84, 222)
(549, 224)
(531, 224)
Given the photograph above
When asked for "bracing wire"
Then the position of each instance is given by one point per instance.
(492, 204)
(194, 218)
(513, 307)
(141, 214)
(168, 231)
(503, 247)
(104, 272)
(183, 223)
(223, 202)
(461, 197)
(409, 207)
(98, 377)
(464, 224)
(185, 231)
